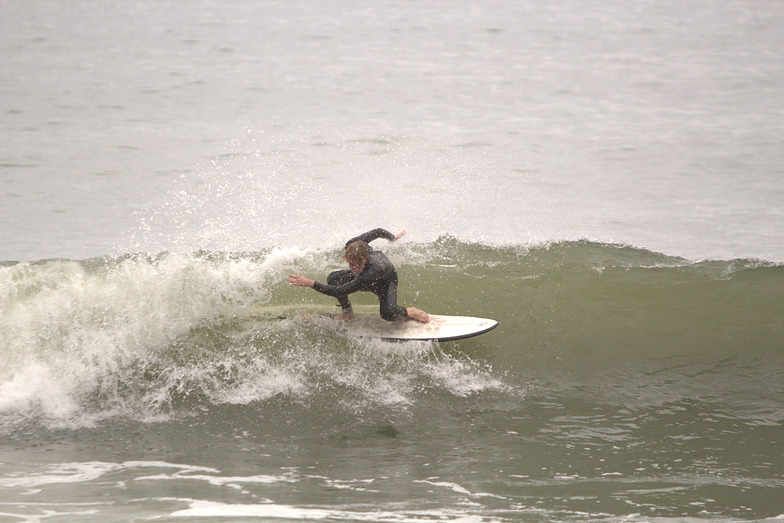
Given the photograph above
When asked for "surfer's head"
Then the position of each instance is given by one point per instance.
(357, 255)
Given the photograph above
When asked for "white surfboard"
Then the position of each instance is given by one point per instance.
(439, 328)
(367, 323)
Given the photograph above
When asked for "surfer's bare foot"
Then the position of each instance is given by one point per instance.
(418, 315)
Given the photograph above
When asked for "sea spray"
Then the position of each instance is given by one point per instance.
(79, 327)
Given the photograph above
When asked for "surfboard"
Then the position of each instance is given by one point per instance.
(367, 323)
(439, 328)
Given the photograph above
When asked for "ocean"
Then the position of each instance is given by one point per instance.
(604, 179)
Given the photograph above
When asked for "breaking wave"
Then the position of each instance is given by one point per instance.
(151, 337)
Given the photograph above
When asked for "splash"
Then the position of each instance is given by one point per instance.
(151, 337)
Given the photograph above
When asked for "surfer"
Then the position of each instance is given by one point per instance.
(368, 270)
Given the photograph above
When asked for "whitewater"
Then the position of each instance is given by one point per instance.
(605, 180)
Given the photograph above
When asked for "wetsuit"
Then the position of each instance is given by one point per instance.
(378, 276)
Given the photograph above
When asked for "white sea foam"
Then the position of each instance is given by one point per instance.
(213, 509)
(457, 488)
(70, 330)
(207, 509)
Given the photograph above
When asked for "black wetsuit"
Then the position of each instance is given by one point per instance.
(378, 276)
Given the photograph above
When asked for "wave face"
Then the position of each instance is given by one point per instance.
(154, 337)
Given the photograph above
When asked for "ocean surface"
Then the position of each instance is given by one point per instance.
(606, 179)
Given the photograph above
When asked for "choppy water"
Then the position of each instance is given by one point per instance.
(605, 180)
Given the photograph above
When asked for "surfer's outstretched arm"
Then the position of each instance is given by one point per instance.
(300, 281)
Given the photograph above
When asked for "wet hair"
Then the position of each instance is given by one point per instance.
(357, 251)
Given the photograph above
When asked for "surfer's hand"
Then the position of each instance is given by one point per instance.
(398, 235)
(300, 281)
